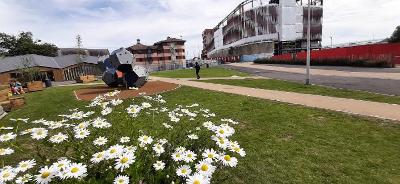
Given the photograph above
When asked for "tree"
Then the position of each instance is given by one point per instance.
(395, 38)
(23, 44)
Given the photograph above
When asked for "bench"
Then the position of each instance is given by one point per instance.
(86, 79)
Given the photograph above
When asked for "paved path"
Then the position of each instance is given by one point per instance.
(374, 75)
(327, 77)
(365, 108)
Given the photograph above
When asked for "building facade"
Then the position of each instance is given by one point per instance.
(263, 28)
(61, 68)
(164, 55)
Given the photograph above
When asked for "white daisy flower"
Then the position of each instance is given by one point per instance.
(82, 125)
(205, 168)
(222, 142)
(190, 156)
(209, 125)
(39, 133)
(100, 141)
(61, 164)
(59, 138)
(23, 179)
(193, 137)
(134, 110)
(130, 149)
(210, 155)
(227, 160)
(121, 180)
(146, 105)
(6, 151)
(115, 151)
(25, 165)
(159, 165)
(45, 175)
(98, 157)
(106, 111)
(167, 126)
(7, 137)
(159, 149)
(197, 179)
(235, 147)
(76, 170)
(125, 139)
(144, 139)
(178, 156)
(124, 161)
(183, 171)
(7, 174)
(82, 133)
(116, 102)
(101, 123)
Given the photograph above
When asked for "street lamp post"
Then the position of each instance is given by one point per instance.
(308, 80)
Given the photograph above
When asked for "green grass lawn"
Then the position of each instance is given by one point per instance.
(204, 73)
(280, 85)
(284, 143)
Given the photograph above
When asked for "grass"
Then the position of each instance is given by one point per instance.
(273, 84)
(284, 143)
(204, 73)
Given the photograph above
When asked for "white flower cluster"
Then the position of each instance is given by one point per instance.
(189, 164)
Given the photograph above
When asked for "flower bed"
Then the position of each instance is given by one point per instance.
(188, 144)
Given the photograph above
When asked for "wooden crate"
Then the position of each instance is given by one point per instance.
(4, 95)
(17, 102)
(35, 86)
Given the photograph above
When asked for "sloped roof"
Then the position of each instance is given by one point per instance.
(32, 60)
(91, 52)
(169, 40)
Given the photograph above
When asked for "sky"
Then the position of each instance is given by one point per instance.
(118, 23)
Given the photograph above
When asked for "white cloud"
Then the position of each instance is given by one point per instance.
(118, 23)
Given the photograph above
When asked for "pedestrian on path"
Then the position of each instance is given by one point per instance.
(197, 67)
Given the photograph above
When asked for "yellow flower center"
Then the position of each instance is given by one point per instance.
(124, 160)
(204, 167)
(236, 149)
(74, 170)
(221, 131)
(178, 155)
(113, 151)
(196, 182)
(45, 174)
(120, 181)
(99, 155)
(184, 171)
(6, 175)
(227, 158)
(24, 165)
(210, 155)
(190, 156)
(145, 138)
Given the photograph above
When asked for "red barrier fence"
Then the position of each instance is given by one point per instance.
(376, 52)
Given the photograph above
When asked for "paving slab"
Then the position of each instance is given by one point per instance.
(359, 107)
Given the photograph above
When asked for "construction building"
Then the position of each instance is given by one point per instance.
(263, 28)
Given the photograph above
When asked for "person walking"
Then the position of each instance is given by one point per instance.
(197, 67)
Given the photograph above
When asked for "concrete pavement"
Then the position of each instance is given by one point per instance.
(362, 79)
(323, 72)
(359, 107)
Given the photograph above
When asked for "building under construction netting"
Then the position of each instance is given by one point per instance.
(263, 28)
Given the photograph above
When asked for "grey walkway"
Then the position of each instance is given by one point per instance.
(365, 108)
(386, 81)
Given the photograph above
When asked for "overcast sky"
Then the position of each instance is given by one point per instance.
(118, 23)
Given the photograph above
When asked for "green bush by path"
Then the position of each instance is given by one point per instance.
(284, 143)
(280, 85)
(204, 73)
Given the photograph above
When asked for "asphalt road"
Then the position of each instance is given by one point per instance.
(382, 86)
